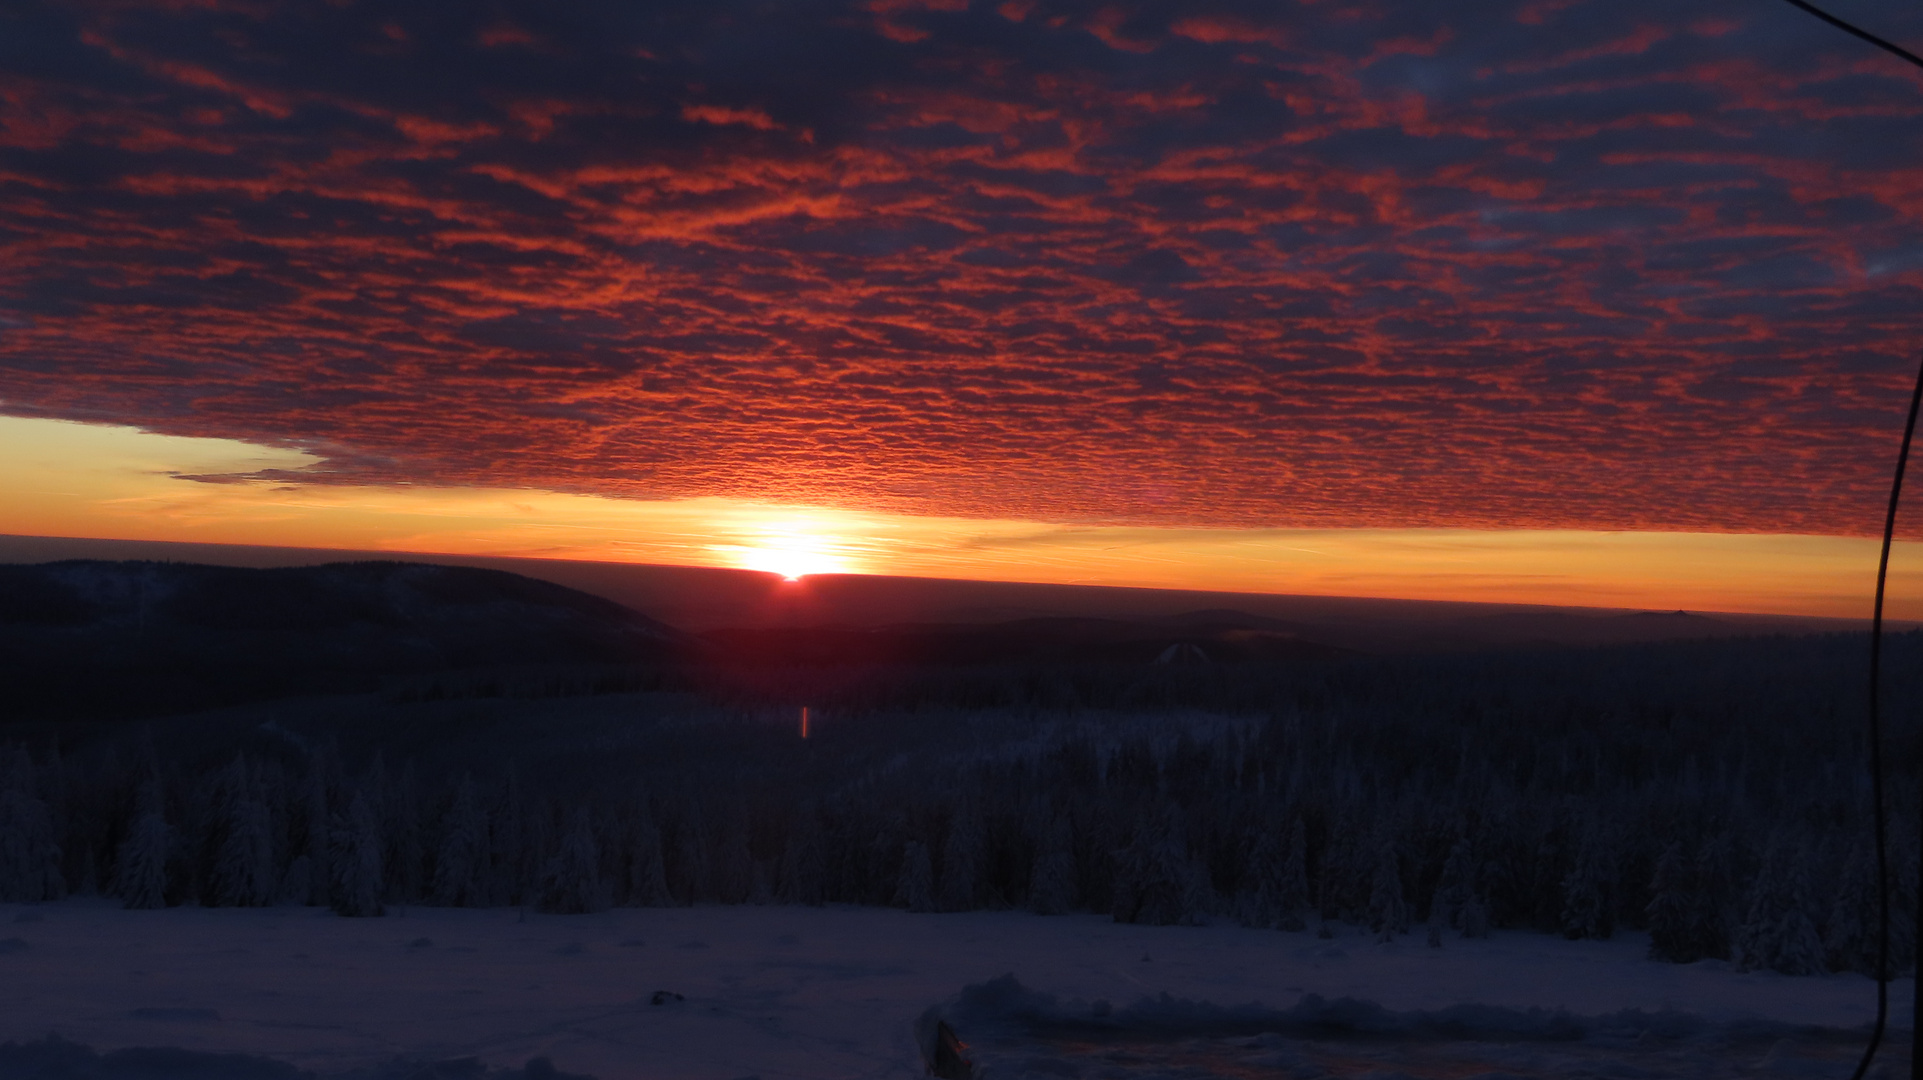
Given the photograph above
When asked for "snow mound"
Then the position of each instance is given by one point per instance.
(54, 1058)
(1014, 1031)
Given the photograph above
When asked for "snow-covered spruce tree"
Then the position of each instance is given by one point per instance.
(689, 876)
(800, 879)
(1261, 878)
(1388, 913)
(571, 881)
(1473, 920)
(1689, 900)
(1903, 943)
(310, 876)
(915, 889)
(731, 863)
(29, 853)
(460, 865)
(1051, 881)
(1587, 910)
(406, 853)
(1199, 900)
(647, 881)
(1850, 934)
(509, 842)
(1455, 886)
(1152, 874)
(1346, 869)
(1290, 902)
(355, 858)
(1777, 933)
(961, 857)
(242, 874)
(1675, 927)
(140, 872)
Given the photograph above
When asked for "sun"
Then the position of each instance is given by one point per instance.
(791, 544)
(792, 563)
(793, 556)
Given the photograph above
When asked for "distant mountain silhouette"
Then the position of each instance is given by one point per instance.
(1564, 628)
(86, 638)
(1021, 641)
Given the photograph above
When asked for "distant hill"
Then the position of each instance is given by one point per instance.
(1222, 637)
(1566, 628)
(91, 638)
(707, 598)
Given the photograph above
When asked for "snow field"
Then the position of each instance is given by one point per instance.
(788, 992)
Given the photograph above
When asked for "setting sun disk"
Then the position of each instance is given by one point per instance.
(792, 561)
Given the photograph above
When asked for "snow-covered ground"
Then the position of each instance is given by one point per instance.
(779, 992)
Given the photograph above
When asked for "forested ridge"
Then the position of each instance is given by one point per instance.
(1713, 793)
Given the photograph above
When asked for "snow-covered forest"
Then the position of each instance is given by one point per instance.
(1713, 793)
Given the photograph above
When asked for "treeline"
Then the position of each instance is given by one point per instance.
(1711, 793)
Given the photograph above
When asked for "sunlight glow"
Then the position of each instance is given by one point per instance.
(64, 479)
(791, 550)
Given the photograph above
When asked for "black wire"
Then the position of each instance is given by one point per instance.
(1876, 764)
(1858, 32)
(1876, 671)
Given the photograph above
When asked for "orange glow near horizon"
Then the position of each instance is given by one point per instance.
(791, 550)
(64, 479)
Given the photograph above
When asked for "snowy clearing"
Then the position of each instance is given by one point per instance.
(781, 992)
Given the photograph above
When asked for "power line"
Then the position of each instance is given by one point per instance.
(1857, 31)
(1876, 769)
(1876, 672)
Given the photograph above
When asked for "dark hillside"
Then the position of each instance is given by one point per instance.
(85, 638)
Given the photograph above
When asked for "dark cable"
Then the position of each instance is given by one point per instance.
(1876, 671)
(1876, 767)
(1858, 32)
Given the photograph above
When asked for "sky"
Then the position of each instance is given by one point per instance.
(1573, 301)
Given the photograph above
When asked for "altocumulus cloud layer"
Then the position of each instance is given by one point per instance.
(1615, 263)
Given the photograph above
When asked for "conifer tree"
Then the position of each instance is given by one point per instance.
(1903, 944)
(406, 851)
(571, 881)
(317, 840)
(355, 858)
(1455, 887)
(243, 871)
(1051, 886)
(242, 874)
(1586, 909)
(1777, 933)
(689, 876)
(1850, 933)
(961, 860)
(510, 842)
(647, 884)
(1675, 931)
(915, 888)
(800, 878)
(461, 865)
(732, 865)
(1291, 900)
(1473, 920)
(1262, 876)
(29, 852)
(1388, 913)
(140, 874)
(1152, 882)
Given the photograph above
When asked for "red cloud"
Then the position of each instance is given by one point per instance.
(1389, 268)
(719, 114)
